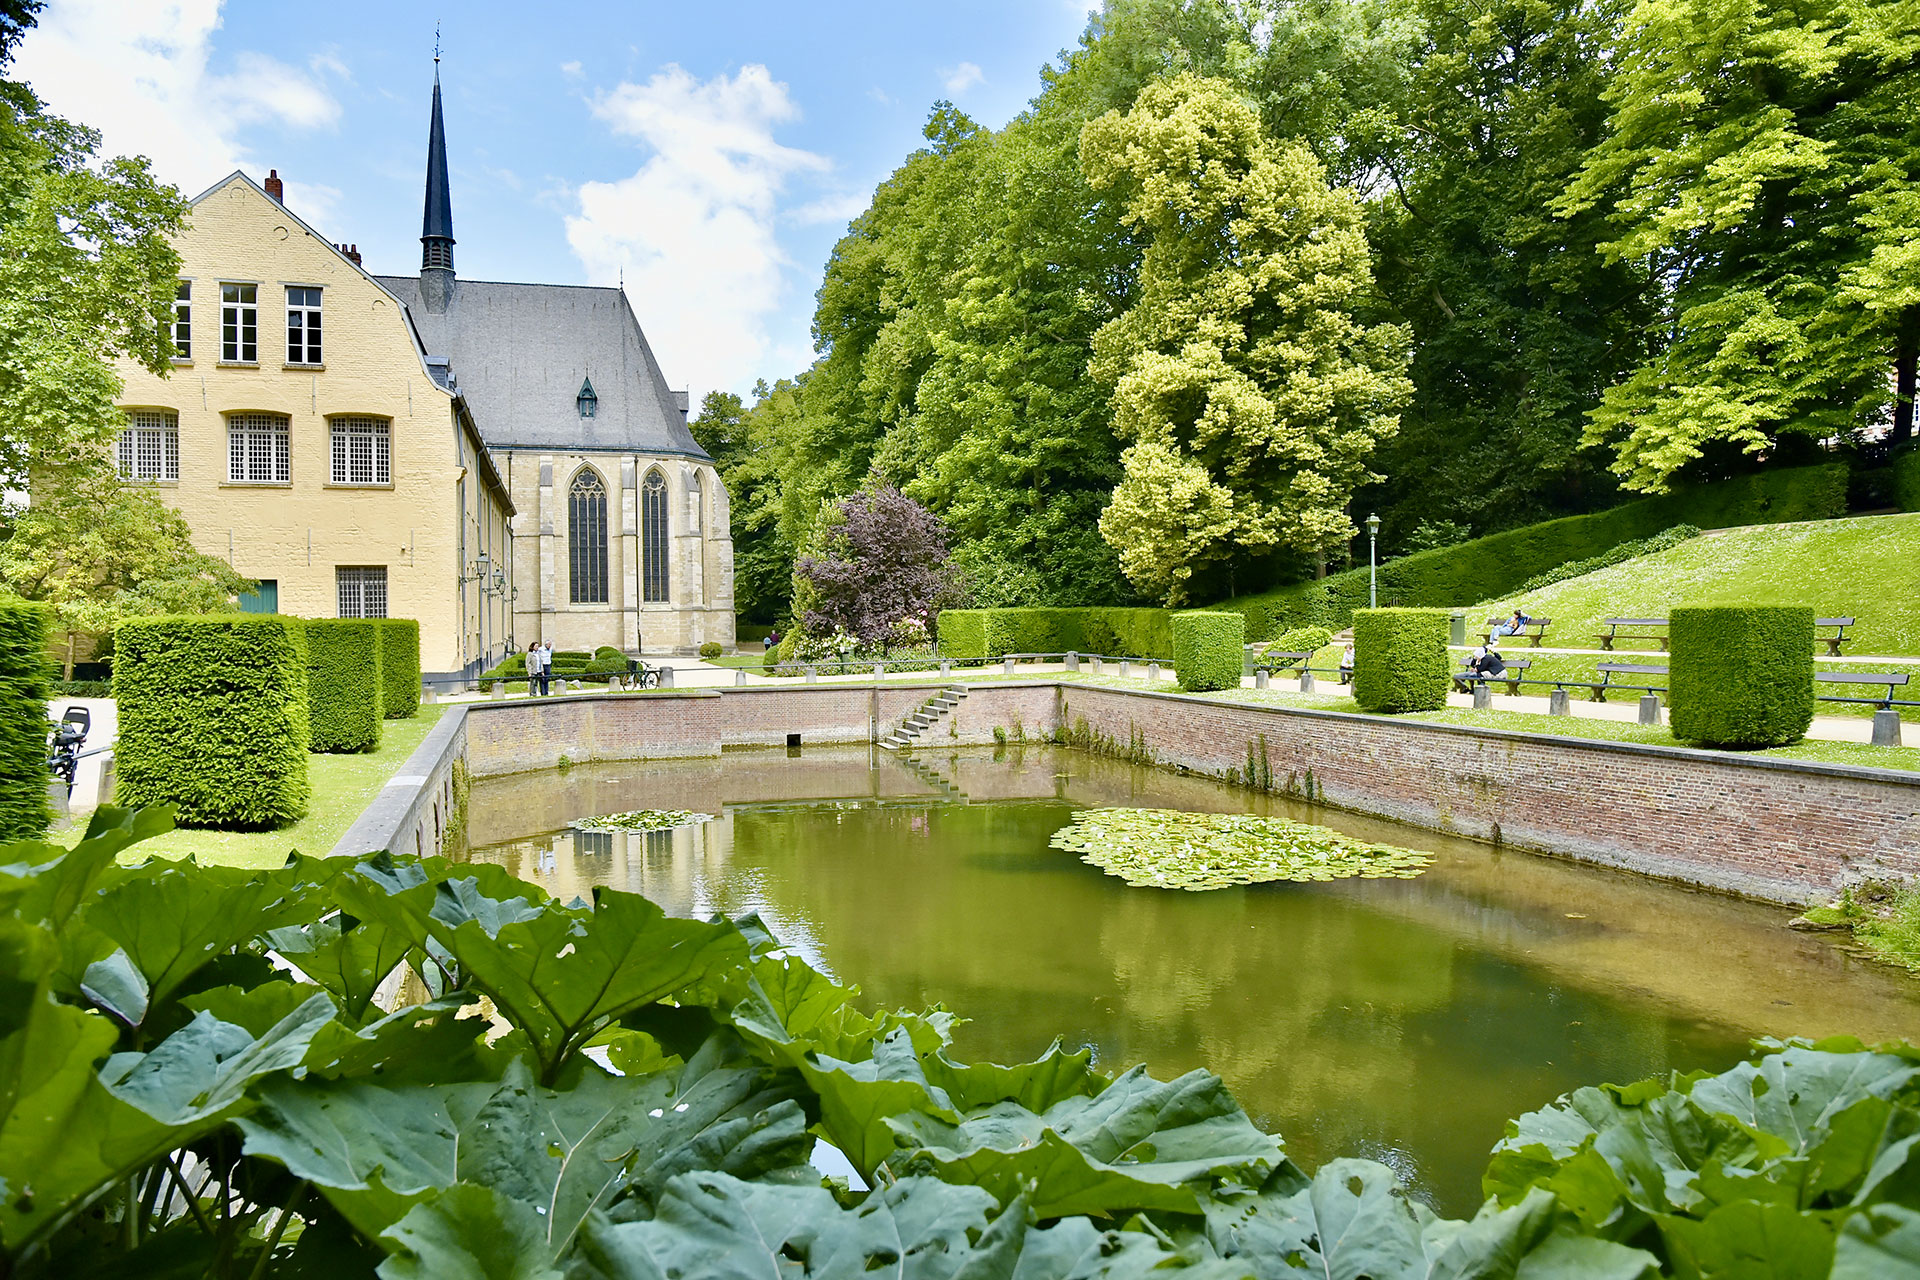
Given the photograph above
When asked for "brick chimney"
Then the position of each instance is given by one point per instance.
(274, 187)
(351, 252)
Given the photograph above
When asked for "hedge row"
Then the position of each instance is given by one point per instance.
(344, 683)
(23, 721)
(1400, 660)
(400, 668)
(1741, 676)
(213, 718)
(974, 634)
(1488, 568)
(1208, 650)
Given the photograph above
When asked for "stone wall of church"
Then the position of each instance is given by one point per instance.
(699, 554)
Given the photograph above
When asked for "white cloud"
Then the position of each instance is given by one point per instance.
(840, 208)
(962, 78)
(880, 96)
(693, 228)
(143, 73)
(570, 68)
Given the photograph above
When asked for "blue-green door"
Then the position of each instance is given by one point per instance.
(265, 600)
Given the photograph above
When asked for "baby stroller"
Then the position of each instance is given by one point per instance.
(64, 743)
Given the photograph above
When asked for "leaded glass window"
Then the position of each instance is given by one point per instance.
(653, 538)
(362, 451)
(361, 591)
(257, 448)
(150, 445)
(587, 538)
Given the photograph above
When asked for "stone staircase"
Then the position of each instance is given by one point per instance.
(929, 714)
(942, 786)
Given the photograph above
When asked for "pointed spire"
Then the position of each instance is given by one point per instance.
(436, 225)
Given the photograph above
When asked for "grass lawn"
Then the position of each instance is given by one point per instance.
(1864, 567)
(342, 787)
(750, 661)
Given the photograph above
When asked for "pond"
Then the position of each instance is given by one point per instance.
(1403, 1020)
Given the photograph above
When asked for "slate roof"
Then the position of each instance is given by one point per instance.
(519, 352)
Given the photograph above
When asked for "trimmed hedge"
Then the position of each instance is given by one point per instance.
(400, 668)
(344, 682)
(1906, 480)
(213, 718)
(1400, 660)
(1494, 566)
(1741, 676)
(1208, 650)
(23, 721)
(711, 649)
(970, 635)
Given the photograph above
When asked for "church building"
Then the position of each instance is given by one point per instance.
(621, 534)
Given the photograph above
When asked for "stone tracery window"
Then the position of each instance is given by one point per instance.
(653, 538)
(587, 537)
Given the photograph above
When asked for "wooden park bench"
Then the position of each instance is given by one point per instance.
(1891, 679)
(1511, 677)
(1597, 690)
(1613, 631)
(1838, 638)
(1280, 663)
(1535, 630)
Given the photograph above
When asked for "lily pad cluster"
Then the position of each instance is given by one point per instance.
(1173, 849)
(641, 820)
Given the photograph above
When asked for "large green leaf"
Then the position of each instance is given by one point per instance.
(76, 1132)
(1883, 1243)
(720, 1228)
(350, 958)
(46, 884)
(1750, 1241)
(566, 972)
(1140, 1143)
(380, 1150)
(1354, 1220)
(469, 1233)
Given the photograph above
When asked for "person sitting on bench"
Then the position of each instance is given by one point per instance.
(1486, 661)
(1346, 664)
(1512, 626)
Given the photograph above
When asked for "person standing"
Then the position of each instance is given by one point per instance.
(533, 667)
(546, 666)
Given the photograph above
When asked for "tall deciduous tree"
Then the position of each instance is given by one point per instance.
(1760, 164)
(1249, 393)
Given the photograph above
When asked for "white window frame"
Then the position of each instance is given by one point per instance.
(150, 445)
(239, 322)
(361, 448)
(303, 325)
(259, 448)
(360, 591)
(183, 321)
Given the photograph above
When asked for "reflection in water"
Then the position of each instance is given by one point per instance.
(1403, 1020)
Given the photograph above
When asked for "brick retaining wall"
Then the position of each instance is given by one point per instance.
(1774, 829)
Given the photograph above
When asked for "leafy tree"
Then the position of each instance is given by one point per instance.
(719, 428)
(1519, 325)
(1250, 394)
(98, 551)
(1759, 164)
(883, 559)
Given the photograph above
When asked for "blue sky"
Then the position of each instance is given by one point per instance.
(711, 153)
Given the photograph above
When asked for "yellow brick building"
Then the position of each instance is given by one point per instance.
(504, 462)
(304, 438)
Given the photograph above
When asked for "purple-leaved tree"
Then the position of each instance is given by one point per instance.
(886, 561)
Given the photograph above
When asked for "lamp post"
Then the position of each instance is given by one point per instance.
(1373, 540)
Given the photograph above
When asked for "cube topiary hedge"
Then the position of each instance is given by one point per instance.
(399, 668)
(24, 677)
(1208, 650)
(343, 675)
(1741, 676)
(213, 718)
(1400, 660)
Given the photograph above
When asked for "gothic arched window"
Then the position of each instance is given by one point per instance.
(587, 537)
(653, 538)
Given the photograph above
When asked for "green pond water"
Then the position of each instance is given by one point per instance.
(1404, 1020)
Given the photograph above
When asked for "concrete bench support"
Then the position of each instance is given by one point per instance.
(1482, 695)
(1259, 679)
(1558, 703)
(1649, 709)
(1306, 682)
(1886, 728)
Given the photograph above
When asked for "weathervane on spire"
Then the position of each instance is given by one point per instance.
(436, 45)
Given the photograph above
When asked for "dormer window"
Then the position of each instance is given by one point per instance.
(586, 401)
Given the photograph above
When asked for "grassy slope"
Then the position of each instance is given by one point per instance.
(342, 787)
(1867, 567)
